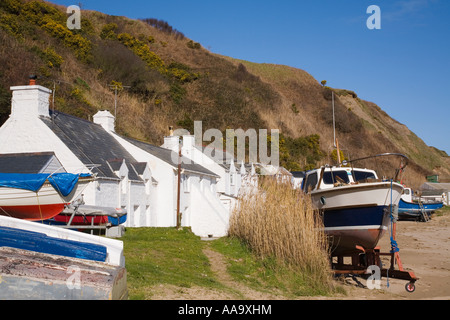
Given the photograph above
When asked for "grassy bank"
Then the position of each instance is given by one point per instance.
(156, 256)
(164, 256)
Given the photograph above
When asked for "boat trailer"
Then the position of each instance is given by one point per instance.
(363, 260)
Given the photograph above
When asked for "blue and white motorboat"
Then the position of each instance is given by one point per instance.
(355, 204)
(415, 207)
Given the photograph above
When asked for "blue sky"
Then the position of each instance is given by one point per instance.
(404, 67)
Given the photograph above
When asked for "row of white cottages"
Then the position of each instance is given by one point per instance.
(134, 175)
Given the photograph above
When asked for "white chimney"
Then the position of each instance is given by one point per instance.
(30, 101)
(172, 143)
(106, 120)
(188, 144)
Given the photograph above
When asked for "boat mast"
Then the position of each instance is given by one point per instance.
(336, 142)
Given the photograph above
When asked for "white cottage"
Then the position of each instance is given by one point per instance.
(229, 179)
(133, 175)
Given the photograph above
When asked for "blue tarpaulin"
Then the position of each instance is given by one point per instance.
(62, 182)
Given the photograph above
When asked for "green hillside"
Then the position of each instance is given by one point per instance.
(165, 79)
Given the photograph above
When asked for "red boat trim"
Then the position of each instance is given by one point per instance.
(33, 213)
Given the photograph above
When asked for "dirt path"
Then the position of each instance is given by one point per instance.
(241, 291)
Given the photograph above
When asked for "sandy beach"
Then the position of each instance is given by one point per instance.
(425, 250)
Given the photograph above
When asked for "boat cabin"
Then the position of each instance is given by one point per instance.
(407, 195)
(329, 177)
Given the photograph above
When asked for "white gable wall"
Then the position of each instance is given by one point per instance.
(207, 214)
(166, 193)
(32, 135)
(201, 208)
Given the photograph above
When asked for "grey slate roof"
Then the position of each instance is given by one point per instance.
(167, 156)
(93, 145)
(90, 143)
(25, 162)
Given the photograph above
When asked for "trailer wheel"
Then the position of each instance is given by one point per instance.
(410, 287)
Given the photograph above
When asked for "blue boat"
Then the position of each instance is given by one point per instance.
(40, 242)
(42, 238)
(410, 209)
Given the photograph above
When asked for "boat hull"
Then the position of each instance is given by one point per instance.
(349, 228)
(356, 215)
(44, 204)
(414, 208)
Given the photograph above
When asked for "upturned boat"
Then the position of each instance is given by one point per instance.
(355, 204)
(38, 197)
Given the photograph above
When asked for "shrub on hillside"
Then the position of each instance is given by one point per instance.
(40, 13)
(109, 31)
(11, 6)
(164, 27)
(49, 56)
(193, 45)
(142, 50)
(9, 23)
(76, 42)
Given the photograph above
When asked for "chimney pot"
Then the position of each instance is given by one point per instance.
(33, 79)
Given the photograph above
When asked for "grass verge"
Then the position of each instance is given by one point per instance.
(157, 256)
(165, 256)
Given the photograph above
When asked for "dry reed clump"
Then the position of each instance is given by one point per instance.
(279, 222)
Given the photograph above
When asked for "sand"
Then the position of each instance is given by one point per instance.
(425, 250)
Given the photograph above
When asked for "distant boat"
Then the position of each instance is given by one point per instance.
(38, 197)
(355, 204)
(410, 208)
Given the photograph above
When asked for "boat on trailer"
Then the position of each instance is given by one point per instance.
(92, 215)
(355, 204)
(38, 197)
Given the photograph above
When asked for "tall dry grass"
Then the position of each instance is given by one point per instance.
(279, 222)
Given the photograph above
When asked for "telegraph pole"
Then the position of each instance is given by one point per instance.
(179, 185)
(116, 87)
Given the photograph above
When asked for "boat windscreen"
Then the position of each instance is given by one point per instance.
(363, 175)
(335, 176)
